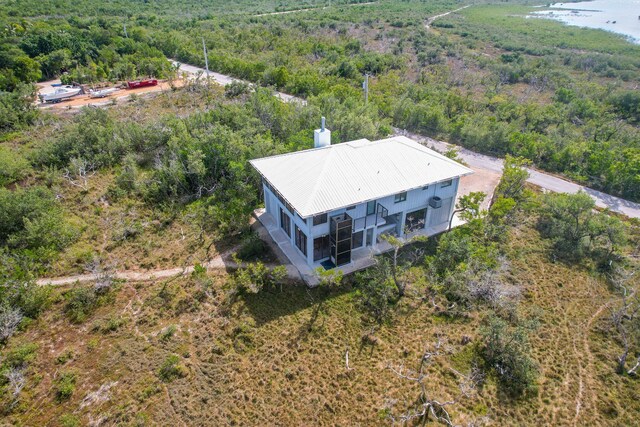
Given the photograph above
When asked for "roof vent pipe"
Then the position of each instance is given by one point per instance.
(322, 136)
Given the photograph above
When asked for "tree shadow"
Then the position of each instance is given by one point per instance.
(293, 297)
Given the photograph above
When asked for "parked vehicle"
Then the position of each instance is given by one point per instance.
(102, 92)
(61, 93)
(141, 83)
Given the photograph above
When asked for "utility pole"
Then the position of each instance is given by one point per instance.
(125, 30)
(206, 58)
(365, 86)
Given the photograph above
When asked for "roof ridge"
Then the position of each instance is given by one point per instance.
(317, 185)
(290, 153)
(431, 153)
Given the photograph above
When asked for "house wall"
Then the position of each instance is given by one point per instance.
(416, 199)
(273, 206)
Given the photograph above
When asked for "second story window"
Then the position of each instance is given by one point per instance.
(349, 208)
(320, 219)
(400, 197)
(446, 183)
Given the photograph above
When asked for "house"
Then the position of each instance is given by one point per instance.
(329, 205)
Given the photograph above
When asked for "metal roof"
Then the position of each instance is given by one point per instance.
(328, 178)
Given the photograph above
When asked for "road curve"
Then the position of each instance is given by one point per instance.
(541, 179)
(224, 80)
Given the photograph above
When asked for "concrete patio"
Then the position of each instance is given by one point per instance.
(361, 258)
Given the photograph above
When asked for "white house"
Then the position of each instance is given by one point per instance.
(334, 201)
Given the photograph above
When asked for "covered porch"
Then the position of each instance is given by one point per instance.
(361, 258)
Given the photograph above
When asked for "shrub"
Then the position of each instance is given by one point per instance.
(69, 420)
(64, 386)
(253, 277)
(20, 357)
(236, 89)
(507, 351)
(168, 332)
(12, 166)
(252, 248)
(81, 302)
(172, 369)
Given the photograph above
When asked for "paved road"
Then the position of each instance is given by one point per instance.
(541, 179)
(477, 160)
(225, 80)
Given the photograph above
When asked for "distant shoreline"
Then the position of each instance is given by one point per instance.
(615, 16)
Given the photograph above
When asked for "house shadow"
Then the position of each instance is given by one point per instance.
(291, 298)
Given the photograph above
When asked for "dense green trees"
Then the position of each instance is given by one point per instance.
(533, 100)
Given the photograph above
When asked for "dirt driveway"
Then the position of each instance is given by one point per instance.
(84, 100)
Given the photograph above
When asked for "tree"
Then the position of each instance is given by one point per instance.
(579, 231)
(395, 269)
(426, 406)
(514, 177)
(625, 317)
(468, 207)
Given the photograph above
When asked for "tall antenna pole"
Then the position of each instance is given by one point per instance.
(206, 58)
(365, 86)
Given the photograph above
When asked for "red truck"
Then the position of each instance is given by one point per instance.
(141, 83)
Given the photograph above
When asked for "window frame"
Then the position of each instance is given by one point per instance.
(447, 183)
(286, 229)
(320, 219)
(300, 240)
(400, 197)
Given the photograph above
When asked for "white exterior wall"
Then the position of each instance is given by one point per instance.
(273, 206)
(416, 199)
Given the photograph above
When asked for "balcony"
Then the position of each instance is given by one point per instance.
(377, 219)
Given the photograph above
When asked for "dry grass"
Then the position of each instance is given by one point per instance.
(266, 361)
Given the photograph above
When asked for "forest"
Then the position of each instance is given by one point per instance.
(483, 79)
(527, 314)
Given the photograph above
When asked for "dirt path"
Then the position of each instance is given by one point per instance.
(587, 352)
(284, 12)
(220, 262)
(429, 21)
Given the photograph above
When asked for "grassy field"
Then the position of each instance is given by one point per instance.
(279, 357)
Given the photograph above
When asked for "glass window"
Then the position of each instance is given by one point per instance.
(351, 207)
(285, 222)
(446, 183)
(321, 248)
(356, 239)
(371, 207)
(426, 187)
(301, 241)
(400, 197)
(320, 219)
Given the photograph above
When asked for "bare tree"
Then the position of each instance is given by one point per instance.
(79, 172)
(10, 318)
(626, 317)
(104, 275)
(16, 380)
(426, 406)
(487, 285)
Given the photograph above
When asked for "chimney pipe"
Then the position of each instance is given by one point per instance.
(322, 136)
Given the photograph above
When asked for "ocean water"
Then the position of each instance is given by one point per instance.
(618, 16)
